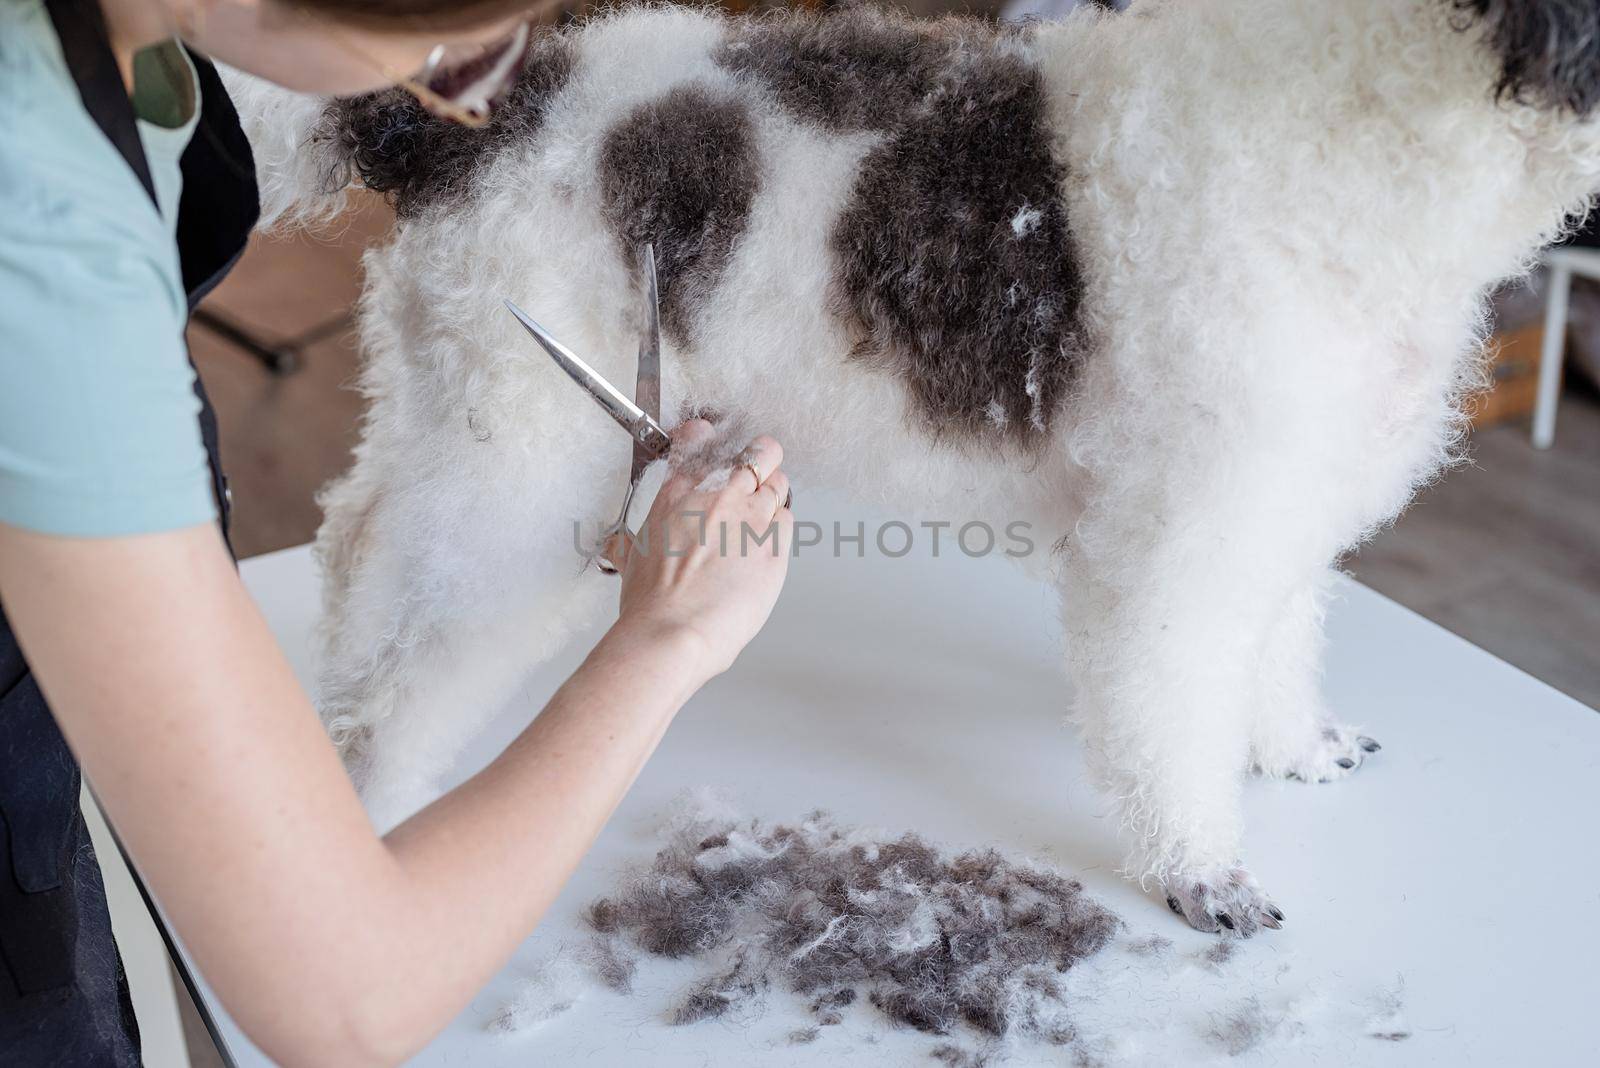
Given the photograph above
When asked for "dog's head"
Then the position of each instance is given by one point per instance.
(1549, 50)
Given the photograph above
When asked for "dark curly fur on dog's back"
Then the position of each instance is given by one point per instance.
(847, 71)
(955, 258)
(1549, 50)
(681, 172)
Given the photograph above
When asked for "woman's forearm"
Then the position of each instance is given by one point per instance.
(532, 815)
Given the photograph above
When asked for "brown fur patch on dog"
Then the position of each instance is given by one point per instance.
(955, 259)
(858, 69)
(681, 171)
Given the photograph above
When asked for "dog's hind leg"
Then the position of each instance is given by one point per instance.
(432, 697)
(1292, 735)
(444, 588)
(1188, 548)
(1162, 649)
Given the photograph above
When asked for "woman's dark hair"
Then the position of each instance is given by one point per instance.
(423, 15)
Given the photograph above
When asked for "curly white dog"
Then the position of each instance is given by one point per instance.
(1196, 289)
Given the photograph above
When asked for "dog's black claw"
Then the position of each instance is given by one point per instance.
(1275, 912)
(1226, 920)
(1369, 744)
(1346, 763)
(1172, 903)
(1295, 776)
(1272, 922)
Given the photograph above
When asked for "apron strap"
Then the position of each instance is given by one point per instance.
(85, 45)
(221, 202)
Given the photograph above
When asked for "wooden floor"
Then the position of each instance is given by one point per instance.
(1506, 551)
(283, 437)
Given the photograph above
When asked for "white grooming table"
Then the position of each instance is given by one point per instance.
(927, 694)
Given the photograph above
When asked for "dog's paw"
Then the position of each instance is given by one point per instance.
(1221, 899)
(1334, 752)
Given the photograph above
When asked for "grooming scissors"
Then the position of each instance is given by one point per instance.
(640, 417)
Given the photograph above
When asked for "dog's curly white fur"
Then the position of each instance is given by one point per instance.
(1283, 216)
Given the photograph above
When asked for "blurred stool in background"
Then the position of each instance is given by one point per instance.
(1563, 263)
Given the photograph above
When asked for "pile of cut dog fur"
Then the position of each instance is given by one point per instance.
(975, 949)
(931, 942)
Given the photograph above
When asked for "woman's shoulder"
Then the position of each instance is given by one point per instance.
(97, 402)
(75, 223)
(56, 165)
(68, 249)
(98, 431)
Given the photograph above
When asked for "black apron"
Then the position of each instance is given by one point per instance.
(63, 996)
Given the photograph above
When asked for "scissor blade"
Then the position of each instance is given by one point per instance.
(643, 428)
(647, 386)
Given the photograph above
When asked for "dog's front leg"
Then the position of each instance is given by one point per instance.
(1292, 735)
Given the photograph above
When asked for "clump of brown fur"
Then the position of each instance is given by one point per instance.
(975, 943)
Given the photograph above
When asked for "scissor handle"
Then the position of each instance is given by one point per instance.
(652, 437)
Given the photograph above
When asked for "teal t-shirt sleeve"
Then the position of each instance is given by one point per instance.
(98, 415)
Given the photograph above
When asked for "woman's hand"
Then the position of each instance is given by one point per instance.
(708, 563)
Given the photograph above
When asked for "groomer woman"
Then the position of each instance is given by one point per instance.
(125, 192)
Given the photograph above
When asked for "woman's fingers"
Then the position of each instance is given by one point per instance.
(615, 552)
(773, 494)
(762, 455)
(712, 554)
(691, 432)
